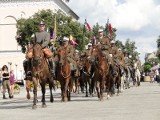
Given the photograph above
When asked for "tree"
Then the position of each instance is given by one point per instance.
(147, 67)
(131, 48)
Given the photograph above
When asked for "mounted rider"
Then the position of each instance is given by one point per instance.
(106, 49)
(70, 52)
(42, 37)
(120, 58)
(53, 48)
(128, 62)
(77, 61)
(138, 62)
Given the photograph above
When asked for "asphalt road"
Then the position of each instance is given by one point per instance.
(136, 103)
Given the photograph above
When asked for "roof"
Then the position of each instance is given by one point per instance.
(66, 8)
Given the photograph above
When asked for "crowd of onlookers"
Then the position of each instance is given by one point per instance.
(7, 81)
(154, 76)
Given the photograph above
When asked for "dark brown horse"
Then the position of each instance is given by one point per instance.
(115, 80)
(64, 74)
(86, 74)
(101, 70)
(40, 74)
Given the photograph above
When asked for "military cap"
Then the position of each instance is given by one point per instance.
(113, 42)
(119, 49)
(65, 39)
(41, 23)
(100, 30)
(76, 51)
(89, 44)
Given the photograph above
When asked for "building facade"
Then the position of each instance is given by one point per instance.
(149, 56)
(10, 11)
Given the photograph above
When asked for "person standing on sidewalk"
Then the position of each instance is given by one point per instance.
(12, 81)
(0, 80)
(6, 81)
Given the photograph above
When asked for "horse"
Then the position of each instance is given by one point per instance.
(40, 74)
(64, 74)
(137, 75)
(116, 81)
(101, 70)
(86, 74)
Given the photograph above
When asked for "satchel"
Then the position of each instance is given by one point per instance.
(47, 53)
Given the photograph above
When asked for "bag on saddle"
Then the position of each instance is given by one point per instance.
(29, 54)
(47, 53)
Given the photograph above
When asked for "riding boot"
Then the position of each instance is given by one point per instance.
(27, 68)
(113, 72)
(121, 71)
(52, 67)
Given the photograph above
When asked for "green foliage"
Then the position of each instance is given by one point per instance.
(147, 66)
(131, 48)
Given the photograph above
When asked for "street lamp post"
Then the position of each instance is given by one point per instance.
(9, 63)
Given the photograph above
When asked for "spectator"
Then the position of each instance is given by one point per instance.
(0, 79)
(6, 81)
(12, 81)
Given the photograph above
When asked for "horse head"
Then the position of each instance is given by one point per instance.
(38, 54)
(85, 64)
(97, 53)
(62, 55)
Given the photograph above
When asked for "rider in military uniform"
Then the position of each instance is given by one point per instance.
(120, 58)
(43, 38)
(77, 61)
(128, 62)
(70, 52)
(53, 49)
(88, 51)
(138, 63)
(106, 47)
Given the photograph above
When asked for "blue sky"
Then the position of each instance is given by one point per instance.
(137, 20)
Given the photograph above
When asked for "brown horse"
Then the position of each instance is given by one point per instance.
(86, 74)
(101, 70)
(115, 80)
(40, 74)
(64, 74)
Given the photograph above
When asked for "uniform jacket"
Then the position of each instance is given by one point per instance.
(42, 38)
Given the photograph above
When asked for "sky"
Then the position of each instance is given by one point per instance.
(137, 20)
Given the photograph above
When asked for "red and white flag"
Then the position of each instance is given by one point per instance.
(88, 26)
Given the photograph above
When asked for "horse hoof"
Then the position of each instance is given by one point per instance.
(51, 100)
(44, 105)
(28, 97)
(86, 95)
(34, 107)
(65, 99)
(108, 96)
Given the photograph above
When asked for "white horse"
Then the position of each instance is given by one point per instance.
(137, 75)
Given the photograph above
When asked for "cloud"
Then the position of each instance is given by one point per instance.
(137, 20)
